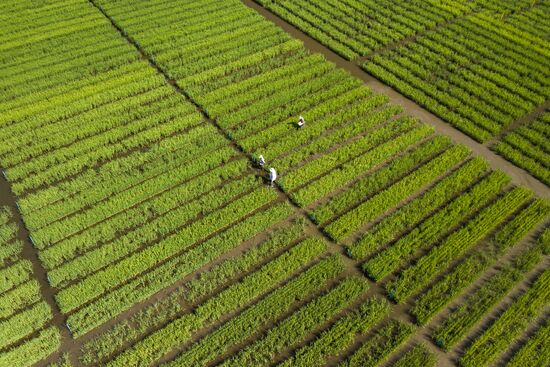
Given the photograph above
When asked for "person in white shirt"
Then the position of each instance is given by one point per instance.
(261, 161)
(301, 122)
(272, 176)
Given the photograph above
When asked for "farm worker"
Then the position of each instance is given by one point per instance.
(272, 175)
(301, 122)
(261, 161)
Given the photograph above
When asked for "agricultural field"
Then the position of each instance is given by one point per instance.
(479, 65)
(527, 147)
(138, 229)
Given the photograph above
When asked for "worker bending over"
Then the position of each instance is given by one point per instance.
(261, 161)
(301, 122)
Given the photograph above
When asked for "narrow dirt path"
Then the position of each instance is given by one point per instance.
(524, 120)
(518, 175)
(7, 198)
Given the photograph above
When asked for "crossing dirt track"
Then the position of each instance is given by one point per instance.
(409, 224)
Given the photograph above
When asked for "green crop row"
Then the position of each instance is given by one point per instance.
(219, 96)
(435, 227)
(163, 275)
(87, 289)
(413, 278)
(477, 80)
(355, 167)
(340, 336)
(112, 207)
(426, 99)
(142, 287)
(148, 211)
(375, 181)
(522, 223)
(393, 195)
(24, 323)
(100, 155)
(341, 25)
(9, 252)
(542, 125)
(465, 118)
(134, 109)
(156, 115)
(305, 104)
(442, 292)
(71, 91)
(502, 70)
(131, 329)
(417, 356)
(535, 352)
(59, 150)
(378, 347)
(209, 281)
(370, 111)
(309, 77)
(153, 231)
(330, 140)
(532, 136)
(339, 42)
(518, 158)
(422, 67)
(18, 298)
(509, 325)
(323, 113)
(133, 167)
(5, 214)
(258, 316)
(352, 104)
(70, 225)
(437, 71)
(302, 322)
(364, 152)
(194, 83)
(78, 68)
(528, 149)
(411, 214)
(105, 153)
(192, 291)
(508, 35)
(15, 274)
(33, 350)
(455, 326)
(27, 81)
(8, 231)
(179, 331)
(344, 153)
(94, 95)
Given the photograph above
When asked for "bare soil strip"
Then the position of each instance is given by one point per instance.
(518, 175)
